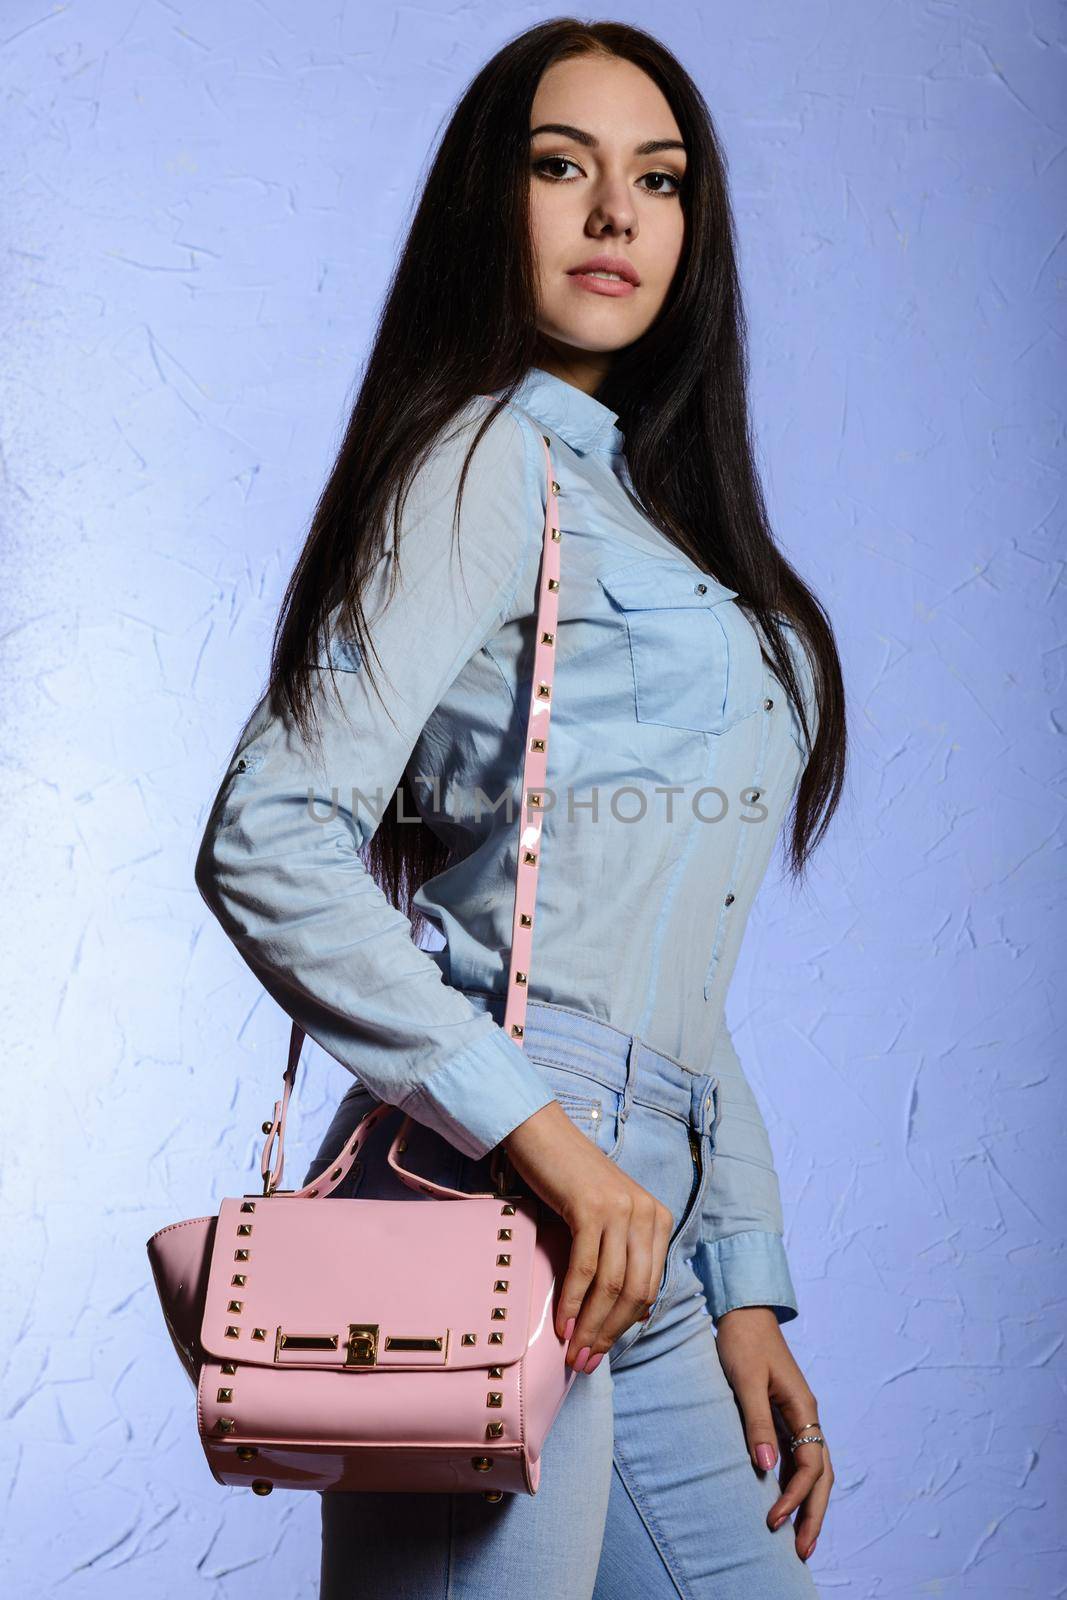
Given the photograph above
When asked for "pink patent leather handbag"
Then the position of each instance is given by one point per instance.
(379, 1344)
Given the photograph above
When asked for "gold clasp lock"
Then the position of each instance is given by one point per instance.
(361, 1346)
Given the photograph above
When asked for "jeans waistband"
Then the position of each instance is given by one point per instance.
(621, 1061)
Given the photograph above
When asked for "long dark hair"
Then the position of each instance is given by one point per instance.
(680, 392)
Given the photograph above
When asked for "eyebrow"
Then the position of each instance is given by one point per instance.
(650, 147)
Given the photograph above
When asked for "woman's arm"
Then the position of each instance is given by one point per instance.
(279, 866)
(741, 1260)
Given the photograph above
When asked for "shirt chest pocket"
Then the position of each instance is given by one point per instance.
(694, 656)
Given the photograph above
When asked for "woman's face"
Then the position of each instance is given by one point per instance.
(606, 164)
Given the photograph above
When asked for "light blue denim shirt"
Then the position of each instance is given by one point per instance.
(673, 757)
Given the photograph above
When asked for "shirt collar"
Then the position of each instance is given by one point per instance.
(585, 423)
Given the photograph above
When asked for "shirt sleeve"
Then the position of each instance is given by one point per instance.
(741, 1260)
(278, 863)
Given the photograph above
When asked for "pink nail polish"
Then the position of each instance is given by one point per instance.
(569, 1329)
(778, 1523)
(592, 1365)
(582, 1357)
(765, 1456)
(810, 1548)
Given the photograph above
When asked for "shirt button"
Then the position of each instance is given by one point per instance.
(729, 899)
(767, 704)
(755, 795)
(701, 588)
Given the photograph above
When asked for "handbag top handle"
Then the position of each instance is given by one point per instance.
(534, 776)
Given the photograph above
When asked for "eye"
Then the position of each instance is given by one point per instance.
(553, 177)
(670, 177)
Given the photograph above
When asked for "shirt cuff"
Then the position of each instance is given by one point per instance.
(480, 1094)
(746, 1269)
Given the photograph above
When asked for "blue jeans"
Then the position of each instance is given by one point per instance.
(647, 1487)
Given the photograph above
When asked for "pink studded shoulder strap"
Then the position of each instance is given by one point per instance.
(534, 777)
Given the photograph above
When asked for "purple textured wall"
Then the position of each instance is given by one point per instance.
(201, 206)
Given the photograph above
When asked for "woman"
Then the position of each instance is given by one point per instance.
(569, 274)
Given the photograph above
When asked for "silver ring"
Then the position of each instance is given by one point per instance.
(806, 1438)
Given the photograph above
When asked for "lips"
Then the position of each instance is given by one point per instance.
(617, 264)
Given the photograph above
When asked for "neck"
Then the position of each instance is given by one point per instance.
(585, 369)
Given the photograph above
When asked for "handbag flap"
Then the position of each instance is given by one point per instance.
(366, 1285)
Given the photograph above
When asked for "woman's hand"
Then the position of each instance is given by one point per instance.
(760, 1369)
(619, 1232)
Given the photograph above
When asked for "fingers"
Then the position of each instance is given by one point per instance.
(661, 1241)
(813, 1509)
(810, 1480)
(614, 1272)
(581, 1270)
(810, 1467)
(753, 1397)
(606, 1288)
(638, 1287)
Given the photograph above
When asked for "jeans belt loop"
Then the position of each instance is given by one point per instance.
(708, 1109)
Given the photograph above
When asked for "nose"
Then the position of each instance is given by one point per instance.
(613, 211)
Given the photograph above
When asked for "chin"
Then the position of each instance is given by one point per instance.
(592, 339)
